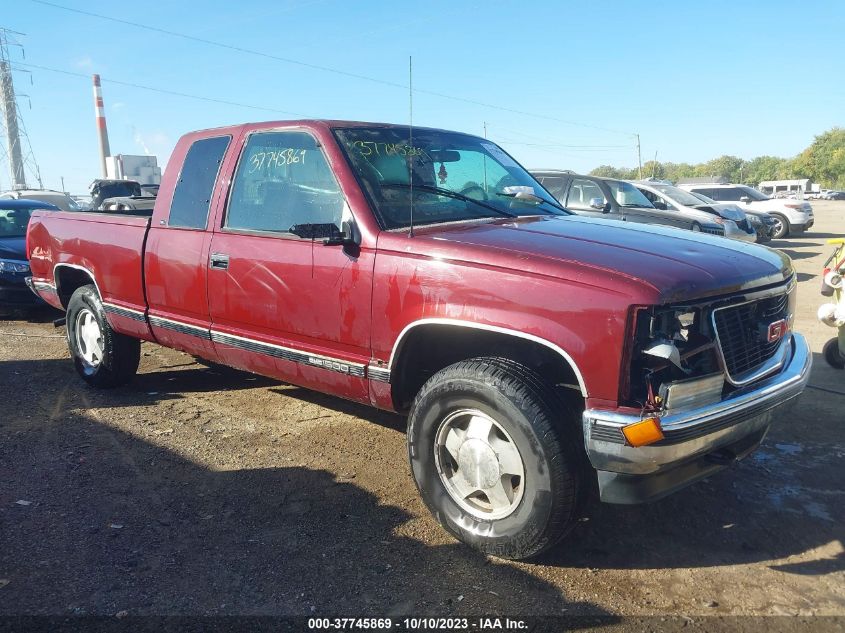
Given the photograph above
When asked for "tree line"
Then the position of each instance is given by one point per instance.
(822, 162)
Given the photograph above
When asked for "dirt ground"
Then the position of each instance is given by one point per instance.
(208, 491)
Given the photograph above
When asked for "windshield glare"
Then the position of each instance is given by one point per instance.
(680, 196)
(627, 195)
(477, 178)
(754, 194)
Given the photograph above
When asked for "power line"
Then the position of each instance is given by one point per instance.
(327, 69)
(164, 91)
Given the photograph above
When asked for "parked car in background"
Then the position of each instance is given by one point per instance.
(669, 198)
(14, 267)
(121, 196)
(149, 190)
(792, 216)
(834, 195)
(58, 199)
(614, 199)
(762, 223)
(82, 200)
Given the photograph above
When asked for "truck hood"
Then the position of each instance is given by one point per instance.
(679, 265)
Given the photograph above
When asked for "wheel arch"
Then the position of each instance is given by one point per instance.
(437, 342)
(70, 277)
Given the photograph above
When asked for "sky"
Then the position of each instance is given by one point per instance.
(562, 84)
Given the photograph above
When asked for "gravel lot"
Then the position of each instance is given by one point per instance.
(209, 491)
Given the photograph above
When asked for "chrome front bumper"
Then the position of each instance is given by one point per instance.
(694, 433)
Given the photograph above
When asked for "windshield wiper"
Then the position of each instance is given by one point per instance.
(448, 193)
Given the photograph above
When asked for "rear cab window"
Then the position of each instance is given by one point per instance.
(192, 196)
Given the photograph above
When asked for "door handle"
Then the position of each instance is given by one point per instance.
(219, 261)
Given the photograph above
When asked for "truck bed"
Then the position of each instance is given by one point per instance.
(108, 246)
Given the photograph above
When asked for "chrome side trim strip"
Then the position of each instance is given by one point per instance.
(128, 313)
(286, 353)
(179, 326)
(378, 373)
(489, 328)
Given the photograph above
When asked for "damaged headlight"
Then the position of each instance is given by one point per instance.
(13, 266)
(667, 330)
(670, 344)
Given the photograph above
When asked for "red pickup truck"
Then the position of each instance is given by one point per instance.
(536, 353)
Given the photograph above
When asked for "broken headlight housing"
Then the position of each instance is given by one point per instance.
(671, 344)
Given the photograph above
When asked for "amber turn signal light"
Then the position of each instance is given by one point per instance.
(644, 432)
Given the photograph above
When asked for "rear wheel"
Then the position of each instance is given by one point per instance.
(832, 354)
(491, 459)
(102, 357)
(780, 229)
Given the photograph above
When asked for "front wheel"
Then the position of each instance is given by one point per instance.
(491, 458)
(832, 354)
(696, 227)
(780, 229)
(102, 357)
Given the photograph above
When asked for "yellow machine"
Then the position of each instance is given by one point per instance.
(833, 314)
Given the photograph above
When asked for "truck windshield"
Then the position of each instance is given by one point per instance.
(447, 176)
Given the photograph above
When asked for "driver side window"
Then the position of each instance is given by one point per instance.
(582, 192)
(283, 180)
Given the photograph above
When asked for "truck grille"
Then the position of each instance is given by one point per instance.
(713, 231)
(743, 332)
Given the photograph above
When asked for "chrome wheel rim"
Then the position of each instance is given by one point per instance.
(89, 338)
(696, 228)
(777, 228)
(479, 464)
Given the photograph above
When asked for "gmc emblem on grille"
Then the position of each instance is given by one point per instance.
(777, 330)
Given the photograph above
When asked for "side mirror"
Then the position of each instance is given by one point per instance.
(347, 236)
(598, 204)
(745, 199)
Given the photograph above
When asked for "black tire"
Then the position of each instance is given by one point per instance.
(781, 229)
(120, 353)
(832, 354)
(529, 411)
(695, 228)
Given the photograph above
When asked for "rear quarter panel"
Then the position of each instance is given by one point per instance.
(108, 246)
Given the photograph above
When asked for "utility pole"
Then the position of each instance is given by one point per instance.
(10, 117)
(639, 160)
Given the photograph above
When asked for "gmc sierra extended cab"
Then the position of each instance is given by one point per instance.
(537, 354)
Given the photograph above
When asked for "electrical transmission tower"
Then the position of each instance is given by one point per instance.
(17, 146)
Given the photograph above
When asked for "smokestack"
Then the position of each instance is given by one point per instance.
(102, 132)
